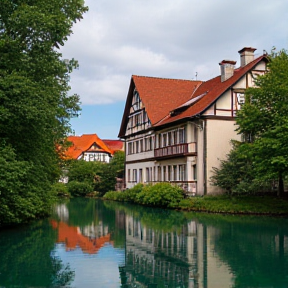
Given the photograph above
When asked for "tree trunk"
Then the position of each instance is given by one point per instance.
(280, 185)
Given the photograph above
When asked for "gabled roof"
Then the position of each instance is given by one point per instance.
(81, 144)
(159, 96)
(163, 97)
(114, 145)
(212, 90)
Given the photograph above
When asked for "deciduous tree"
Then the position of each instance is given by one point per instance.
(35, 107)
(263, 120)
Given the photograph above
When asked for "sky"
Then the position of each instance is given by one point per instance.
(183, 39)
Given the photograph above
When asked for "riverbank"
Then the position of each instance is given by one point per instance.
(258, 205)
(226, 204)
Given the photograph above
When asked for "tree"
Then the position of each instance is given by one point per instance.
(235, 174)
(35, 107)
(264, 123)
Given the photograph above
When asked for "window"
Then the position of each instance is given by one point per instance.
(164, 173)
(130, 148)
(140, 176)
(141, 145)
(148, 143)
(129, 175)
(240, 98)
(159, 173)
(170, 173)
(194, 172)
(175, 137)
(136, 101)
(147, 175)
(181, 135)
(134, 175)
(169, 138)
(182, 172)
(164, 140)
(175, 172)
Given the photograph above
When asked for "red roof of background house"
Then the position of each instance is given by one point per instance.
(81, 144)
(114, 145)
(161, 96)
(72, 237)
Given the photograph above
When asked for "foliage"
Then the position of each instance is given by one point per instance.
(129, 195)
(160, 194)
(35, 107)
(117, 163)
(21, 201)
(236, 173)
(263, 120)
(235, 204)
(101, 176)
(77, 188)
(60, 189)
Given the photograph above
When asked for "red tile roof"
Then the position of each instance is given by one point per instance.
(161, 96)
(114, 145)
(212, 89)
(81, 144)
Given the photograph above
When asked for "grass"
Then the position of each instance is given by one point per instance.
(236, 205)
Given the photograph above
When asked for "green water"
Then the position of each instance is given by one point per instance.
(91, 243)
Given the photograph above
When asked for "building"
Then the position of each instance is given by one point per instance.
(90, 147)
(178, 130)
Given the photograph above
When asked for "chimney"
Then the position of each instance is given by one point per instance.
(227, 69)
(246, 55)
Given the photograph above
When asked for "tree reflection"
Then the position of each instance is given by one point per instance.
(255, 249)
(27, 258)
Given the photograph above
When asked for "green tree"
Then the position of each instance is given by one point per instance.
(118, 163)
(264, 123)
(35, 107)
(236, 173)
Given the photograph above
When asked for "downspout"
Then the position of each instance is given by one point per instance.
(205, 156)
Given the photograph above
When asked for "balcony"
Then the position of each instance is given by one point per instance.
(176, 150)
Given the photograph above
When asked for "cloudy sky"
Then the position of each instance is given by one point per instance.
(161, 38)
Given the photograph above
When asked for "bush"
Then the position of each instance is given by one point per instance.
(161, 194)
(76, 188)
(60, 189)
(131, 194)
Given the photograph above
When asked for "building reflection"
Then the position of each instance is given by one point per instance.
(73, 237)
(182, 258)
(89, 238)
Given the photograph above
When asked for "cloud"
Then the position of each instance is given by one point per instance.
(166, 38)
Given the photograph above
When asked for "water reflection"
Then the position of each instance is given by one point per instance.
(91, 243)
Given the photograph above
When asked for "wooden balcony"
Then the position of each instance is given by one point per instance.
(176, 150)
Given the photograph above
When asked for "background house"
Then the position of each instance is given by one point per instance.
(90, 147)
(178, 130)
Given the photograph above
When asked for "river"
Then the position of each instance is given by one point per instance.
(94, 243)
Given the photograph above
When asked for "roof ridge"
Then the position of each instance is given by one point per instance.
(164, 78)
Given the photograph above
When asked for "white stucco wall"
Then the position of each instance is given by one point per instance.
(219, 136)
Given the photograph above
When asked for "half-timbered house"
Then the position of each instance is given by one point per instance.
(178, 130)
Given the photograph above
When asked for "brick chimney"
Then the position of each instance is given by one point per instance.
(246, 55)
(227, 69)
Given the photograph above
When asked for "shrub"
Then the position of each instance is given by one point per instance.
(60, 189)
(161, 194)
(76, 188)
(131, 194)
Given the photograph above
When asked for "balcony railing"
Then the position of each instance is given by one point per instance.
(174, 150)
